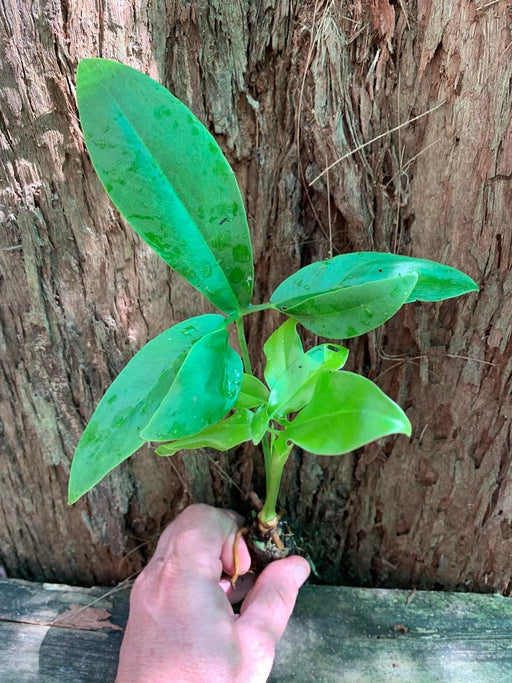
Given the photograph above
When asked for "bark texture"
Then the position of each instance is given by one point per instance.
(288, 88)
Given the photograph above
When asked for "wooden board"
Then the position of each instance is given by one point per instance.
(81, 647)
(335, 634)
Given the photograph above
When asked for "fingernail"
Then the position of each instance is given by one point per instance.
(301, 573)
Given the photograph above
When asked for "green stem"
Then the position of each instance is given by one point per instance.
(275, 459)
(243, 345)
(274, 465)
(256, 308)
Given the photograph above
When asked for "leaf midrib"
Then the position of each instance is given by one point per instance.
(168, 183)
(335, 313)
(325, 416)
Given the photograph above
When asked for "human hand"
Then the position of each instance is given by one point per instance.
(182, 627)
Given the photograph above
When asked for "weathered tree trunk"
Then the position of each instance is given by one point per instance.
(288, 88)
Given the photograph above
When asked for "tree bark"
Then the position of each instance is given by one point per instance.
(287, 88)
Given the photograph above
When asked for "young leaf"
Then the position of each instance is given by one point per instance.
(435, 281)
(346, 411)
(113, 432)
(351, 311)
(329, 356)
(281, 447)
(168, 177)
(281, 349)
(259, 424)
(253, 393)
(295, 386)
(223, 435)
(204, 390)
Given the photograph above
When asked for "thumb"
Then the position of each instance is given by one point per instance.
(268, 606)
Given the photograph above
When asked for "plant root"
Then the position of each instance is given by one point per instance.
(266, 540)
(236, 560)
(269, 541)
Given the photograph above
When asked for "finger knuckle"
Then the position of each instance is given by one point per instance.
(195, 511)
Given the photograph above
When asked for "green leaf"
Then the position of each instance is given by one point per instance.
(346, 411)
(351, 311)
(329, 356)
(281, 349)
(168, 177)
(204, 390)
(259, 424)
(223, 435)
(281, 447)
(435, 281)
(294, 388)
(253, 393)
(113, 432)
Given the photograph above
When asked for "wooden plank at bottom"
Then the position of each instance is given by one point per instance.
(335, 634)
(357, 634)
(50, 632)
(43, 654)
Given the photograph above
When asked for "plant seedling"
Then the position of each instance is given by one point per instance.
(187, 388)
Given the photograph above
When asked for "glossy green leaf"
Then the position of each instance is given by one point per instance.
(253, 393)
(281, 447)
(329, 356)
(168, 177)
(351, 311)
(435, 281)
(281, 349)
(223, 435)
(294, 388)
(259, 424)
(113, 432)
(346, 411)
(204, 390)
